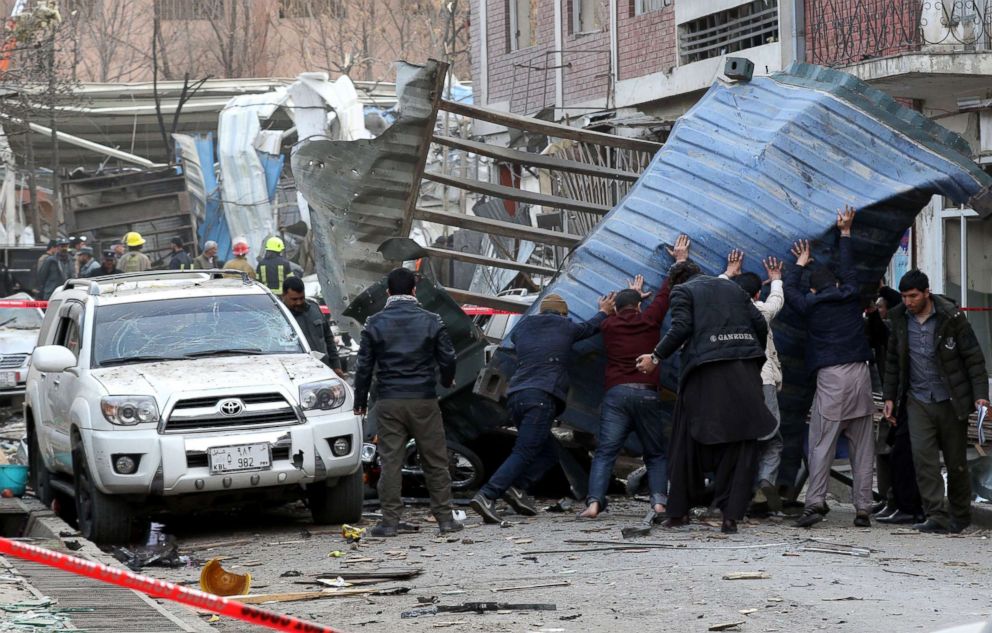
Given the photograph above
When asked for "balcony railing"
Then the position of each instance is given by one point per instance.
(841, 32)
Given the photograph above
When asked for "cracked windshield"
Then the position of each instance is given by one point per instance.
(194, 327)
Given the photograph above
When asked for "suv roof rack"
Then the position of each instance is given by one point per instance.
(93, 284)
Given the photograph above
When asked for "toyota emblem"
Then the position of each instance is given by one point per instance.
(232, 407)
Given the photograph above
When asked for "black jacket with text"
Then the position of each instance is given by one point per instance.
(715, 321)
(405, 345)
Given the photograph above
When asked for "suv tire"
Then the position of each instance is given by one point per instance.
(39, 478)
(342, 503)
(101, 518)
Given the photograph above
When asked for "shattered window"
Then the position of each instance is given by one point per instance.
(191, 328)
(20, 319)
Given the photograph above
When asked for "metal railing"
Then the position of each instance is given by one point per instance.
(841, 32)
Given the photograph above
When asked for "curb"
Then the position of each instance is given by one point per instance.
(42, 523)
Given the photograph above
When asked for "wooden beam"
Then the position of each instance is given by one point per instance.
(465, 297)
(472, 258)
(497, 227)
(537, 160)
(520, 195)
(556, 130)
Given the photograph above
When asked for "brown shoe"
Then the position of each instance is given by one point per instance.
(675, 522)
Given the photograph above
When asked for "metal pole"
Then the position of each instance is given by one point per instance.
(964, 259)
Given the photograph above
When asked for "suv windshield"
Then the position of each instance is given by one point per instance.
(191, 328)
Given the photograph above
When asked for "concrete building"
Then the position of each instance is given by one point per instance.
(638, 64)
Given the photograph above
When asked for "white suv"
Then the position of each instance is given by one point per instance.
(171, 392)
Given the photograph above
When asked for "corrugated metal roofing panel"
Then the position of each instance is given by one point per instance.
(756, 165)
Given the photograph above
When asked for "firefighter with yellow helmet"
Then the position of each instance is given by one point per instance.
(133, 261)
(273, 268)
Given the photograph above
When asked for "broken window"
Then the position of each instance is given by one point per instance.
(522, 23)
(646, 6)
(311, 8)
(745, 26)
(586, 16)
(191, 328)
(187, 10)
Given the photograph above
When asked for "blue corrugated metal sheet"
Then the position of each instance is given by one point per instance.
(757, 165)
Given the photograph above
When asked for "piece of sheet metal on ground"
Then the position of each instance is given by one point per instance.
(756, 165)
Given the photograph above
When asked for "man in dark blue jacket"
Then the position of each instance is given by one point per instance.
(406, 345)
(837, 353)
(537, 395)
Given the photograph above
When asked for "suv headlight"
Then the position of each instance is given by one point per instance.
(324, 395)
(129, 410)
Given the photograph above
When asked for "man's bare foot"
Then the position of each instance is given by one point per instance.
(591, 511)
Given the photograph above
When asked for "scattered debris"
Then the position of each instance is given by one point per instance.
(163, 554)
(336, 554)
(475, 607)
(563, 505)
(902, 573)
(202, 547)
(383, 574)
(747, 611)
(296, 596)
(220, 582)
(574, 616)
(441, 625)
(561, 583)
(292, 573)
(844, 599)
(745, 575)
(726, 626)
(861, 553)
(351, 533)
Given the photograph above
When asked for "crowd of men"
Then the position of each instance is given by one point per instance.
(68, 258)
(724, 448)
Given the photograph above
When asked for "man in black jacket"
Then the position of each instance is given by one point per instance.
(405, 344)
(720, 411)
(180, 259)
(312, 321)
(837, 353)
(936, 366)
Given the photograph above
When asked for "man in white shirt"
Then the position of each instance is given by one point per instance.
(770, 447)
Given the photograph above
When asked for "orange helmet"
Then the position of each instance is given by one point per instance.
(240, 246)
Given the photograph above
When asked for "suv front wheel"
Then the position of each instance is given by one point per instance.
(341, 503)
(101, 517)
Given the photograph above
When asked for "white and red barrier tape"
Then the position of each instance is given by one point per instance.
(161, 589)
(28, 303)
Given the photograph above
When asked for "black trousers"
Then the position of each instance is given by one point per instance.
(734, 466)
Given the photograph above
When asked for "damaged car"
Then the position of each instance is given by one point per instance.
(173, 392)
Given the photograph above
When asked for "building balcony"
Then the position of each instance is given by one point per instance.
(920, 49)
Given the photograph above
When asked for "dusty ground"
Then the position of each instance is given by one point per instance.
(908, 582)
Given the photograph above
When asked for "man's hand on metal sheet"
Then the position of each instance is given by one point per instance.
(735, 260)
(845, 219)
(773, 268)
(802, 252)
(681, 250)
(607, 304)
(637, 283)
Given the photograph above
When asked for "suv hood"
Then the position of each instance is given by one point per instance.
(163, 379)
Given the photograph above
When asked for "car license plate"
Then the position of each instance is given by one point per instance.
(8, 379)
(230, 459)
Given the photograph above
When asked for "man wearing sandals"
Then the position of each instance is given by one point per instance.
(632, 401)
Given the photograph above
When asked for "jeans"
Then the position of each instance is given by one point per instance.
(627, 409)
(533, 412)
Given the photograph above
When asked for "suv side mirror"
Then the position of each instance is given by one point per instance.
(53, 358)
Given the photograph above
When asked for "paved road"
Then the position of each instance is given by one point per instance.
(909, 582)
